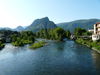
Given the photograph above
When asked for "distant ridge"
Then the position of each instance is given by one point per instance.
(19, 28)
(5, 28)
(83, 23)
(45, 23)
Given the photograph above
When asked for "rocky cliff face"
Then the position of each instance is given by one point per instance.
(43, 23)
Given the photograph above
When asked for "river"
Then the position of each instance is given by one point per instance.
(56, 58)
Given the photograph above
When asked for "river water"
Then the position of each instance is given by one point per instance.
(56, 58)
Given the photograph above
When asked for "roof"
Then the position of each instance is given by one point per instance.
(98, 23)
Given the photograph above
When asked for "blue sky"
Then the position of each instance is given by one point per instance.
(23, 12)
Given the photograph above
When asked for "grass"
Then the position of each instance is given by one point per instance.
(89, 43)
(1, 45)
(37, 45)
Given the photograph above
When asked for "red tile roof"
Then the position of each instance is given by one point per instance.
(98, 23)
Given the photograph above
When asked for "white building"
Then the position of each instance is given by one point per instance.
(96, 34)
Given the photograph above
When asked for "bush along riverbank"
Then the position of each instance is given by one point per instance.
(57, 34)
(28, 37)
(38, 45)
(22, 38)
(89, 43)
(2, 45)
(83, 37)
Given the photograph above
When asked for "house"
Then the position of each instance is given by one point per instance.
(96, 33)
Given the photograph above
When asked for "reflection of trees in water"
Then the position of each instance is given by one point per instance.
(96, 59)
(64, 45)
(17, 50)
(59, 45)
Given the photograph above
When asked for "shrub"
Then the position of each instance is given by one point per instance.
(37, 45)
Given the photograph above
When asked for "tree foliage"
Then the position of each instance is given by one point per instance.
(68, 34)
(22, 38)
(1, 45)
(53, 34)
(79, 32)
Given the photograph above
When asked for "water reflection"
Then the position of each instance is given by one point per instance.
(57, 58)
(59, 45)
(96, 59)
(12, 49)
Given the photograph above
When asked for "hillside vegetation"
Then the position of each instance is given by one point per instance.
(85, 24)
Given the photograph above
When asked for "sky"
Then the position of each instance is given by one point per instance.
(23, 12)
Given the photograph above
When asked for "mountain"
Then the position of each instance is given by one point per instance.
(84, 23)
(19, 28)
(43, 23)
(5, 28)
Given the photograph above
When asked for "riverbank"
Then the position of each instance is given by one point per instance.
(95, 50)
(2, 45)
(89, 43)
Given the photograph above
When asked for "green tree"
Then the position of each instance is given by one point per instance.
(68, 34)
(24, 37)
(79, 31)
(59, 33)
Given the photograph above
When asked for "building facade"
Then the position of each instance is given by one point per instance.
(96, 33)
